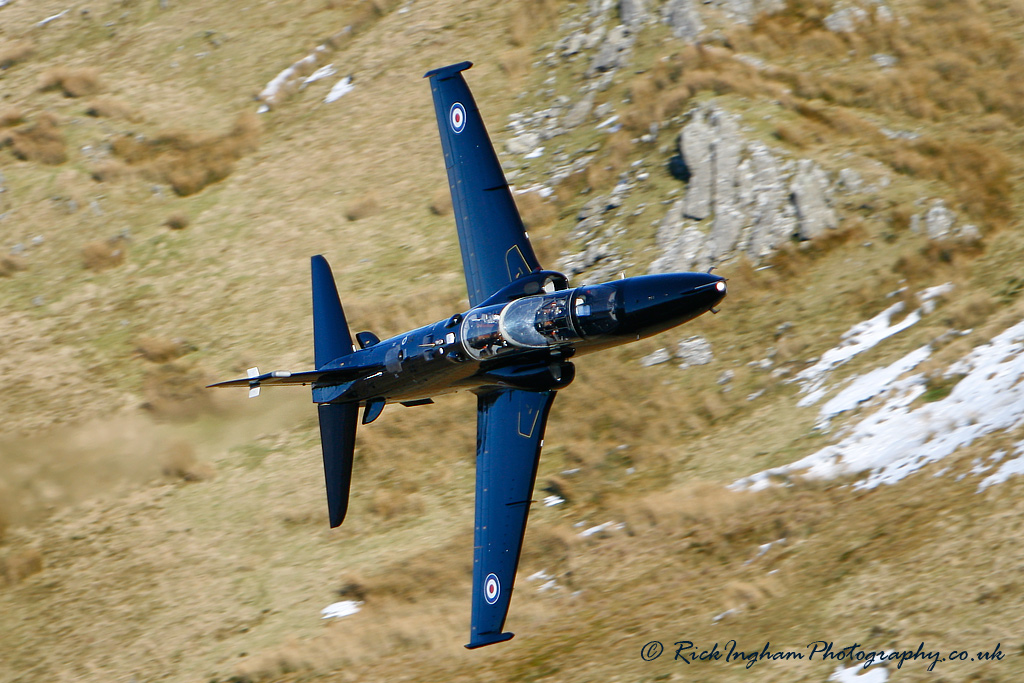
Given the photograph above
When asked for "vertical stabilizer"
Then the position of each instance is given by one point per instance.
(331, 336)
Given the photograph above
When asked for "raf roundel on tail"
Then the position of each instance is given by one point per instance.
(457, 116)
(513, 349)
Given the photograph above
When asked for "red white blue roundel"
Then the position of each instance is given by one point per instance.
(492, 589)
(457, 118)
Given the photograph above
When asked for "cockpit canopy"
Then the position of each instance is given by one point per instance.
(541, 321)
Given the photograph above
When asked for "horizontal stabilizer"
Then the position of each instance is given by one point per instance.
(323, 377)
(338, 439)
(331, 336)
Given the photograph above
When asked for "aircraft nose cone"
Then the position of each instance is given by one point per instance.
(653, 303)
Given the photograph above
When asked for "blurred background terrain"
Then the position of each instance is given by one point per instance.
(832, 457)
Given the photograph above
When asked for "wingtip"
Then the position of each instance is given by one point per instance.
(480, 640)
(448, 71)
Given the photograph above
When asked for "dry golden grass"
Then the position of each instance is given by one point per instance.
(362, 208)
(441, 203)
(15, 51)
(527, 18)
(979, 173)
(108, 107)
(971, 311)
(176, 391)
(73, 82)
(188, 161)
(515, 64)
(20, 565)
(159, 350)
(800, 134)
(11, 264)
(178, 220)
(109, 170)
(179, 462)
(391, 504)
(11, 117)
(40, 141)
(535, 211)
(101, 255)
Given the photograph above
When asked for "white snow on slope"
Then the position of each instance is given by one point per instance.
(337, 610)
(858, 674)
(342, 87)
(1008, 469)
(856, 340)
(896, 441)
(866, 387)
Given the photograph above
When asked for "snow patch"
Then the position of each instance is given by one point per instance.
(855, 341)
(607, 526)
(337, 610)
(318, 75)
(858, 674)
(865, 387)
(342, 87)
(896, 441)
(1007, 470)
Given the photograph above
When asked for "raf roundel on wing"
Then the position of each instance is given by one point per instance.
(457, 117)
(492, 589)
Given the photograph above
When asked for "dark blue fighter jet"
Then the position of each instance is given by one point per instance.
(512, 348)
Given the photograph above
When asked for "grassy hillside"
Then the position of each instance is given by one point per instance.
(154, 236)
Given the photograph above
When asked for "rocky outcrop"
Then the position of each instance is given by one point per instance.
(632, 13)
(810, 197)
(684, 19)
(746, 11)
(613, 53)
(755, 200)
(940, 224)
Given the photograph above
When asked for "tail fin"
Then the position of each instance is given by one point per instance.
(331, 336)
(331, 341)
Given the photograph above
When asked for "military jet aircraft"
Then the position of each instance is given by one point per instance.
(512, 348)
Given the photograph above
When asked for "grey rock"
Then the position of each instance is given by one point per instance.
(683, 17)
(726, 149)
(522, 144)
(613, 53)
(726, 377)
(809, 188)
(573, 43)
(883, 60)
(968, 233)
(656, 358)
(695, 150)
(694, 351)
(850, 180)
(593, 38)
(745, 11)
(682, 247)
(939, 220)
(579, 112)
(632, 13)
(771, 214)
(845, 20)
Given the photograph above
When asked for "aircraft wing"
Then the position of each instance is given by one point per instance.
(510, 430)
(495, 248)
